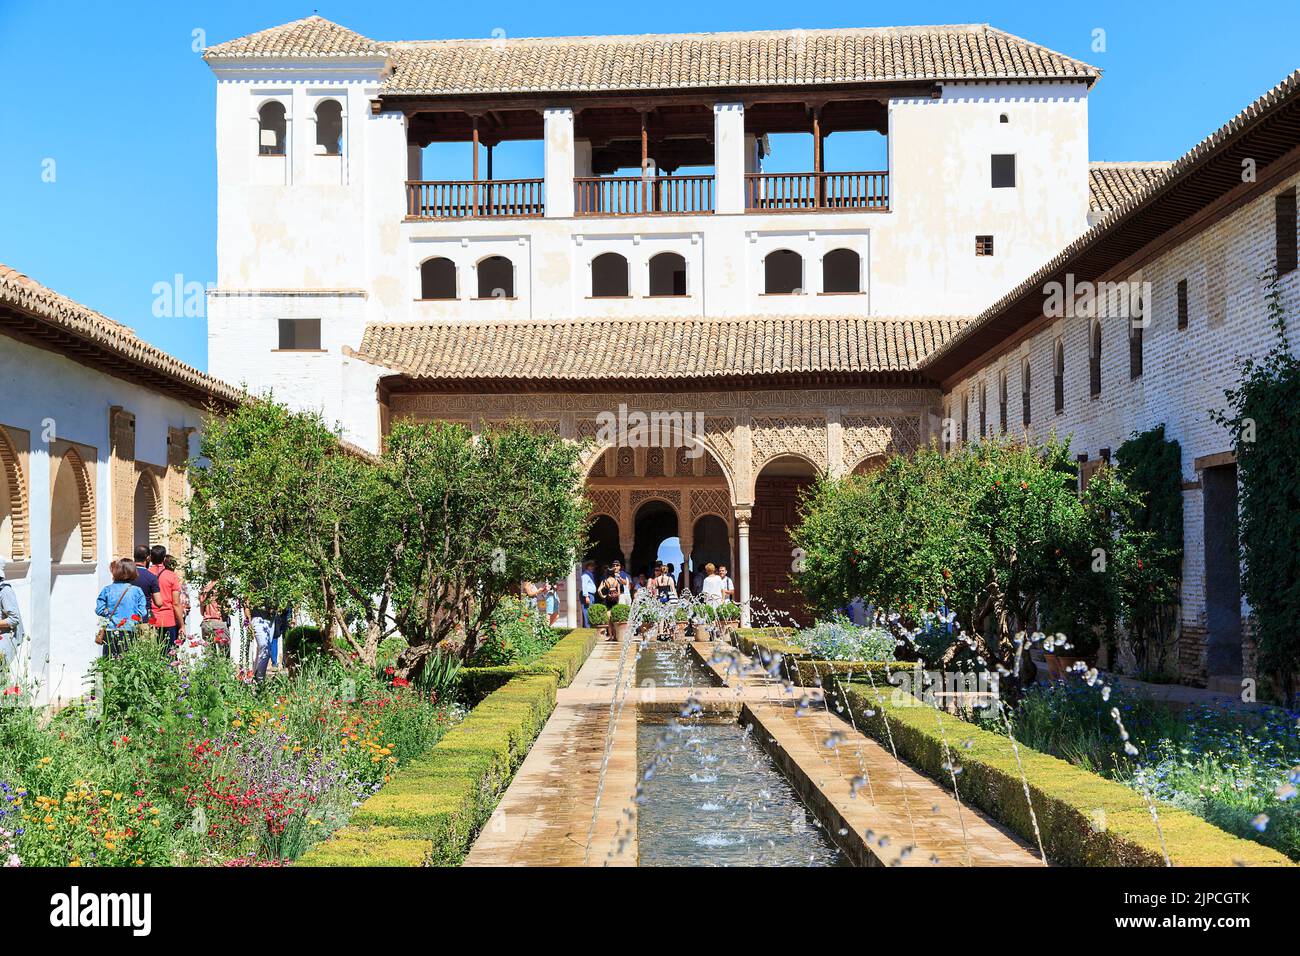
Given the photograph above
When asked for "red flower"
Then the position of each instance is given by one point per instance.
(390, 670)
(136, 618)
(11, 691)
(401, 682)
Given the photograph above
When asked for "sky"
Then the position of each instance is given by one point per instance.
(107, 162)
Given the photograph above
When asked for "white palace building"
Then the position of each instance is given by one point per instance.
(372, 264)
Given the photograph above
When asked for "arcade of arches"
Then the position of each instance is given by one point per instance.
(728, 496)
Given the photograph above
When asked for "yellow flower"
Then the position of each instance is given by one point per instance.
(236, 723)
(76, 861)
(46, 760)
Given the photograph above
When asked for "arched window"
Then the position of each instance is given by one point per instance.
(1058, 378)
(667, 274)
(147, 524)
(1025, 385)
(984, 409)
(609, 276)
(965, 418)
(270, 129)
(72, 512)
(329, 128)
(496, 278)
(1094, 360)
(782, 273)
(438, 278)
(841, 271)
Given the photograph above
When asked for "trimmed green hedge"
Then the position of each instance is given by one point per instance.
(563, 661)
(809, 673)
(1084, 819)
(431, 811)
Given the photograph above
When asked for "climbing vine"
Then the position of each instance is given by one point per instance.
(1151, 466)
(1263, 420)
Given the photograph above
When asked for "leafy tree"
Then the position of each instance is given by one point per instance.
(466, 519)
(272, 492)
(997, 534)
(1264, 423)
(423, 541)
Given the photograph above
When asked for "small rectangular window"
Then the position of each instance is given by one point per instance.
(1285, 209)
(983, 245)
(300, 335)
(1182, 303)
(1004, 170)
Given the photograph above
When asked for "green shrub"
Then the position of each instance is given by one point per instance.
(598, 615)
(618, 614)
(432, 809)
(517, 634)
(728, 611)
(839, 639)
(301, 642)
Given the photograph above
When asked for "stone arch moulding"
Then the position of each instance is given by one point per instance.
(15, 482)
(596, 452)
(86, 500)
(151, 481)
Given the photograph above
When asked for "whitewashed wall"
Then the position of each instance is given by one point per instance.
(48, 395)
(1185, 371)
(292, 245)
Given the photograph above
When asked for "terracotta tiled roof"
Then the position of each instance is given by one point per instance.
(656, 349)
(1112, 184)
(675, 61)
(311, 36)
(1266, 130)
(33, 312)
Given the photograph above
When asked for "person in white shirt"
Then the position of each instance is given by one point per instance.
(711, 588)
(728, 586)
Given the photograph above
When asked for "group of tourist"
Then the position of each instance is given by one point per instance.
(615, 586)
(147, 590)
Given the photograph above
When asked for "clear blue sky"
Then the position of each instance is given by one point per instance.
(114, 94)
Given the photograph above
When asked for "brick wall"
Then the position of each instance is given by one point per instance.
(1185, 374)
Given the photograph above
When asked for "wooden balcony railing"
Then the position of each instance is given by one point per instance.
(795, 192)
(634, 196)
(494, 198)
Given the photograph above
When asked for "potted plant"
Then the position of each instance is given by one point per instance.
(728, 617)
(681, 618)
(704, 616)
(651, 614)
(598, 617)
(618, 621)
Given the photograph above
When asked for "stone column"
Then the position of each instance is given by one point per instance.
(559, 160)
(729, 157)
(742, 561)
(572, 615)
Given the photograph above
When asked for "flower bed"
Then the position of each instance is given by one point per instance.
(1084, 819)
(1237, 770)
(187, 764)
(435, 806)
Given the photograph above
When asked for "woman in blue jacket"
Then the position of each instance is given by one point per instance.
(122, 606)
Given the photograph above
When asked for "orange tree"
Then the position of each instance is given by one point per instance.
(996, 533)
